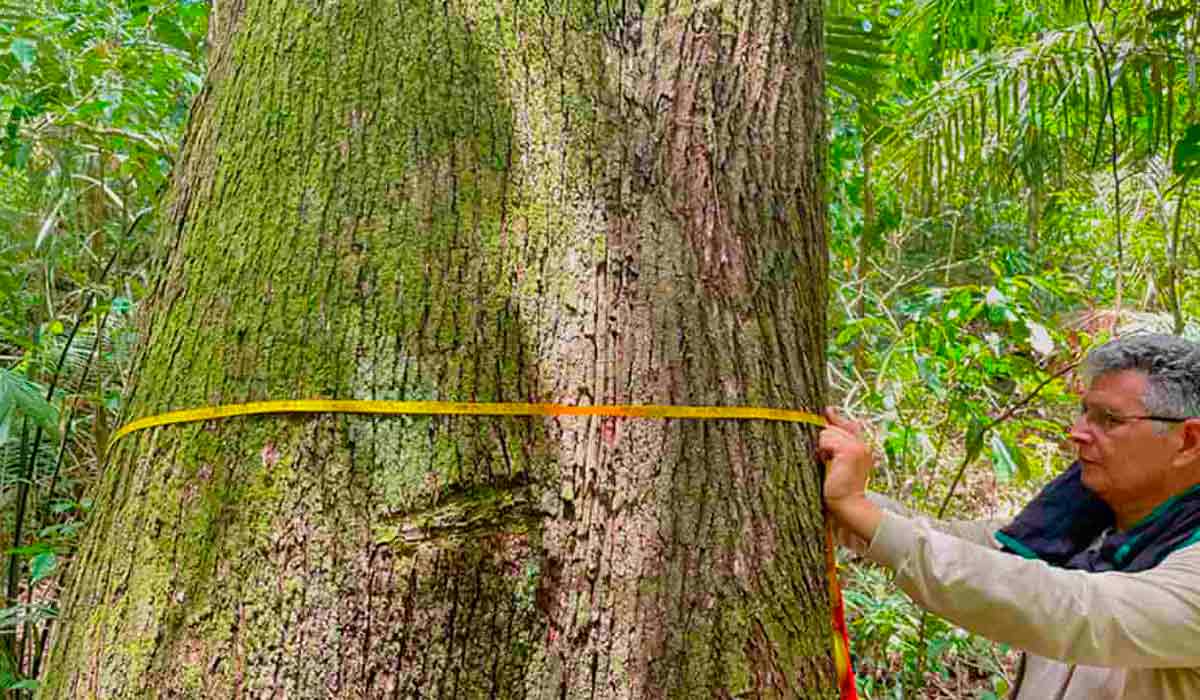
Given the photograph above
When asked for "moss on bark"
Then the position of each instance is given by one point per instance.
(477, 201)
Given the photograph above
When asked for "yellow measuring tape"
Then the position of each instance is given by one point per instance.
(455, 408)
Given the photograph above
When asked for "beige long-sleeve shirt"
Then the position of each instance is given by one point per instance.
(1093, 636)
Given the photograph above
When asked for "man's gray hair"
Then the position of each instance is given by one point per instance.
(1171, 365)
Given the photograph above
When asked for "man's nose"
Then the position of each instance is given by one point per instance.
(1079, 432)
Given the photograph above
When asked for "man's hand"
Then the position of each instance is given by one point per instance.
(848, 462)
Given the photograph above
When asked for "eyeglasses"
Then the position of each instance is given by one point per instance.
(1105, 420)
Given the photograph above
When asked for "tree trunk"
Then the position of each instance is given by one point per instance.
(477, 201)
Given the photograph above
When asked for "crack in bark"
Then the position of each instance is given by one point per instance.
(487, 513)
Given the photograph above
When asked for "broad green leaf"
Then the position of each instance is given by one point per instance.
(63, 530)
(30, 550)
(192, 10)
(26, 398)
(6, 412)
(1165, 24)
(167, 31)
(974, 440)
(1003, 465)
(91, 109)
(928, 372)
(1186, 159)
(1007, 460)
(1018, 455)
(42, 566)
(25, 51)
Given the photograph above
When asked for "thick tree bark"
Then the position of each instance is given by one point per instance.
(471, 200)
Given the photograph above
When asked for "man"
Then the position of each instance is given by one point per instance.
(1098, 578)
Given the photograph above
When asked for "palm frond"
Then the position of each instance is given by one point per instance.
(20, 397)
(857, 55)
(1033, 101)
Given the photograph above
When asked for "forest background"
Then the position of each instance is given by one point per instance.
(1009, 182)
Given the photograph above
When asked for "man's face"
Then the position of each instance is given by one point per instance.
(1126, 463)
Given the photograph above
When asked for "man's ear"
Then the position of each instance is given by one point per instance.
(1189, 447)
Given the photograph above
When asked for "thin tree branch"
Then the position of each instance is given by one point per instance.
(1110, 109)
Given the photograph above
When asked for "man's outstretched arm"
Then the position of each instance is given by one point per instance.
(1149, 619)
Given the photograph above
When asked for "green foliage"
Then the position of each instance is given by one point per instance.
(93, 97)
(950, 356)
(857, 55)
(21, 398)
(1185, 159)
(1017, 185)
(884, 628)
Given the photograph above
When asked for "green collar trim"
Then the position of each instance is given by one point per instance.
(1016, 545)
(1123, 551)
(1195, 538)
(1164, 507)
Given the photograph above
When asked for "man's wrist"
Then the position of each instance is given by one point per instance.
(857, 514)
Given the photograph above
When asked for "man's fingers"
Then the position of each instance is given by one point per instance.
(838, 420)
(833, 440)
(832, 437)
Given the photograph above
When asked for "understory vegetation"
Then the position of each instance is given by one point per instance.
(1008, 182)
